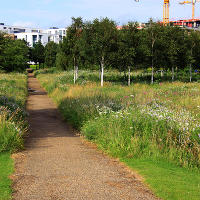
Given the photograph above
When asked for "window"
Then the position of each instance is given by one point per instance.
(34, 39)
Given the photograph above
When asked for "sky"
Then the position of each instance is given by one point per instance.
(48, 13)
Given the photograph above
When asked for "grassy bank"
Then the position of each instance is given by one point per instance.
(140, 123)
(13, 92)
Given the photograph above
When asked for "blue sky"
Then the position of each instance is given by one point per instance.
(46, 13)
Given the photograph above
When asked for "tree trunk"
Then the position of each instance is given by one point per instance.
(173, 73)
(152, 74)
(129, 76)
(176, 73)
(74, 70)
(152, 66)
(100, 73)
(190, 72)
(102, 70)
(161, 73)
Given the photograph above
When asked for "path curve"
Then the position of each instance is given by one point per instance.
(56, 165)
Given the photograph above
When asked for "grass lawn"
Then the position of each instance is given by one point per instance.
(167, 180)
(6, 169)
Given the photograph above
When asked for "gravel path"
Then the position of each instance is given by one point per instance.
(57, 164)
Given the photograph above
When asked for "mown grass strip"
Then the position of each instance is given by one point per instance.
(168, 181)
(6, 169)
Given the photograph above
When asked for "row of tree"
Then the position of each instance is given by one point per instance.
(99, 43)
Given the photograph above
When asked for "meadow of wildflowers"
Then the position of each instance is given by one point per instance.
(157, 121)
(153, 128)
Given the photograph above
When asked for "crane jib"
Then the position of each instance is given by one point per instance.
(166, 9)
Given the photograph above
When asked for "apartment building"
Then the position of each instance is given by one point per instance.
(33, 35)
(55, 34)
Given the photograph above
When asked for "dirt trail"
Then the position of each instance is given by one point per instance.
(57, 165)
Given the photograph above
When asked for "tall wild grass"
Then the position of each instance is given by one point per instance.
(13, 125)
(160, 121)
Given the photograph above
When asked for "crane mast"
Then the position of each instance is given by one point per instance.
(166, 12)
(166, 5)
(193, 2)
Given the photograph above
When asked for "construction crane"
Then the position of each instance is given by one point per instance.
(193, 2)
(165, 11)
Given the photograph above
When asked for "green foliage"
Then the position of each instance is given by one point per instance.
(98, 42)
(37, 53)
(50, 54)
(103, 39)
(61, 61)
(13, 54)
(128, 42)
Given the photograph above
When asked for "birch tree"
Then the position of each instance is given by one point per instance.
(128, 42)
(193, 50)
(153, 36)
(103, 41)
(72, 40)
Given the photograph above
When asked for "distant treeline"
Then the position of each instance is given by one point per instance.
(98, 44)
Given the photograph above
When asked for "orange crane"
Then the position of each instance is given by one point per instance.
(193, 2)
(165, 11)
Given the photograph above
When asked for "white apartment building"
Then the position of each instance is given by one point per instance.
(17, 29)
(34, 35)
(55, 34)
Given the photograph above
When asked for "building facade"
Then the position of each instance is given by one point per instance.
(32, 38)
(34, 35)
(55, 34)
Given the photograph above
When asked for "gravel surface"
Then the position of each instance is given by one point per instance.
(57, 164)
